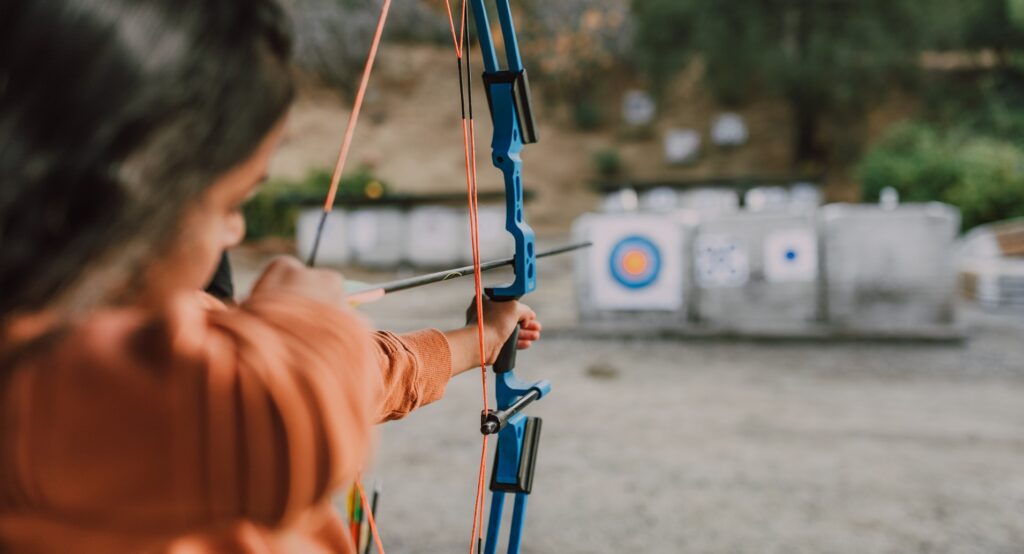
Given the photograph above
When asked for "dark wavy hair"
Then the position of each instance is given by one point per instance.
(114, 116)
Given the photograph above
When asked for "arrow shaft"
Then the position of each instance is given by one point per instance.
(388, 287)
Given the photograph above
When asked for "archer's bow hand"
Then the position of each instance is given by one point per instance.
(500, 320)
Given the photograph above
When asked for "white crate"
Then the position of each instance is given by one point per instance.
(758, 273)
(495, 241)
(334, 248)
(376, 236)
(436, 237)
(890, 269)
(710, 203)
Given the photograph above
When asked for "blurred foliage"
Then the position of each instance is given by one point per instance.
(273, 211)
(332, 37)
(981, 175)
(989, 103)
(914, 159)
(988, 24)
(576, 47)
(608, 162)
(992, 186)
(826, 58)
(588, 114)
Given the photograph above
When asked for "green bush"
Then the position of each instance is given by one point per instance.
(267, 216)
(588, 115)
(983, 176)
(992, 183)
(274, 210)
(608, 162)
(913, 159)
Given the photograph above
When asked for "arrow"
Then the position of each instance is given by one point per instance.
(364, 293)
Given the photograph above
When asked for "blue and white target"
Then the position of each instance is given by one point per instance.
(791, 255)
(635, 262)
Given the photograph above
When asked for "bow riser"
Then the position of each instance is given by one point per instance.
(508, 97)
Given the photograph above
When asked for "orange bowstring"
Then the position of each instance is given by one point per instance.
(469, 149)
(339, 167)
(369, 515)
(479, 509)
(350, 127)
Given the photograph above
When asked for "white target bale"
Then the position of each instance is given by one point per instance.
(660, 200)
(495, 240)
(709, 203)
(635, 276)
(376, 236)
(890, 271)
(436, 237)
(334, 247)
(758, 273)
(766, 199)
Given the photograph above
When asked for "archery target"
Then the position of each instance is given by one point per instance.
(790, 255)
(636, 262)
(721, 261)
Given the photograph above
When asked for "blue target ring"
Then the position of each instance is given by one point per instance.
(635, 262)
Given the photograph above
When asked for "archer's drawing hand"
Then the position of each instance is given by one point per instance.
(500, 319)
(286, 274)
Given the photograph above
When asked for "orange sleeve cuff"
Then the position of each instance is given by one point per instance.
(436, 357)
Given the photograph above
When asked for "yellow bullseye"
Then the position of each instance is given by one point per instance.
(634, 262)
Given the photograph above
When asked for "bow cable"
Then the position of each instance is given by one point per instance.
(462, 49)
(461, 44)
(332, 192)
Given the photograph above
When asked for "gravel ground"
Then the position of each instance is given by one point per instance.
(665, 446)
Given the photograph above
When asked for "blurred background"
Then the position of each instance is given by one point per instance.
(799, 328)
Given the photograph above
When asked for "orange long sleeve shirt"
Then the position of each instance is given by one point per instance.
(199, 429)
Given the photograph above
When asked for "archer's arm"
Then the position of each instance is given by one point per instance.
(417, 366)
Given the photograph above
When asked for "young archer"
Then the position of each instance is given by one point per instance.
(138, 414)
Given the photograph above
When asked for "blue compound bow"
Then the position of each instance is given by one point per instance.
(508, 97)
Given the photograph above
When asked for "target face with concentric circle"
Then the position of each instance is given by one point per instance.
(635, 262)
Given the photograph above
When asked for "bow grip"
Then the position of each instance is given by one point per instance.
(507, 356)
(506, 360)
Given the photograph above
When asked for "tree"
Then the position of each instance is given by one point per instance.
(824, 57)
(996, 25)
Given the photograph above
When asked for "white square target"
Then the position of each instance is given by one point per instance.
(636, 262)
(791, 255)
(721, 261)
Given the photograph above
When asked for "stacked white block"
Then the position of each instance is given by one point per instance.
(334, 248)
(991, 265)
(758, 273)
(376, 236)
(890, 270)
(766, 199)
(495, 241)
(436, 236)
(710, 203)
(635, 272)
(659, 199)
